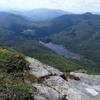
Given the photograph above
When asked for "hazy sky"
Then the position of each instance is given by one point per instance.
(68, 5)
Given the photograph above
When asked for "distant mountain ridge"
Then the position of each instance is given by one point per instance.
(78, 33)
(13, 21)
(41, 14)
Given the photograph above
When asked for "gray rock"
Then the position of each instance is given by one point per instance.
(55, 88)
(45, 93)
(39, 69)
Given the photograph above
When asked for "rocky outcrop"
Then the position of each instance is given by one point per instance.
(54, 87)
(40, 70)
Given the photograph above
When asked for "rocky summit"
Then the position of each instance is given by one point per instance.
(26, 78)
(54, 85)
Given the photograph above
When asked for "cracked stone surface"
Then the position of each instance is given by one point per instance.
(39, 69)
(54, 87)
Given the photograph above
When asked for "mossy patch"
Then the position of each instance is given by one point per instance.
(10, 60)
(32, 77)
(12, 75)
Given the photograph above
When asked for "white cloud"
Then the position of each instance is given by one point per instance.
(69, 5)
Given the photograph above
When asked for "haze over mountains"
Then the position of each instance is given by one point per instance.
(79, 33)
(39, 14)
(60, 49)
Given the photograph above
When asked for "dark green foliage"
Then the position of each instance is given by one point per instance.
(11, 61)
(31, 77)
(68, 65)
(12, 76)
(10, 89)
(22, 43)
(77, 33)
(31, 47)
(14, 22)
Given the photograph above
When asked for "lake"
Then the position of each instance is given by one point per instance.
(60, 50)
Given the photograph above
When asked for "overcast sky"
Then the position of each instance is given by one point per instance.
(68, 5)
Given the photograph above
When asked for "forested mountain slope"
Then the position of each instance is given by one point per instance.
(78, 33)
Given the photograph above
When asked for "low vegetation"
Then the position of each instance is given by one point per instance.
(77, 33)
(67, 65)
(13, 77)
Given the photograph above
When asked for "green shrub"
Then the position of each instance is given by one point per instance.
(32, 77)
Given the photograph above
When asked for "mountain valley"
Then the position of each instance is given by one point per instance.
(49, 55)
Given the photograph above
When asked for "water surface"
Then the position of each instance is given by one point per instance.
(60, 50)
